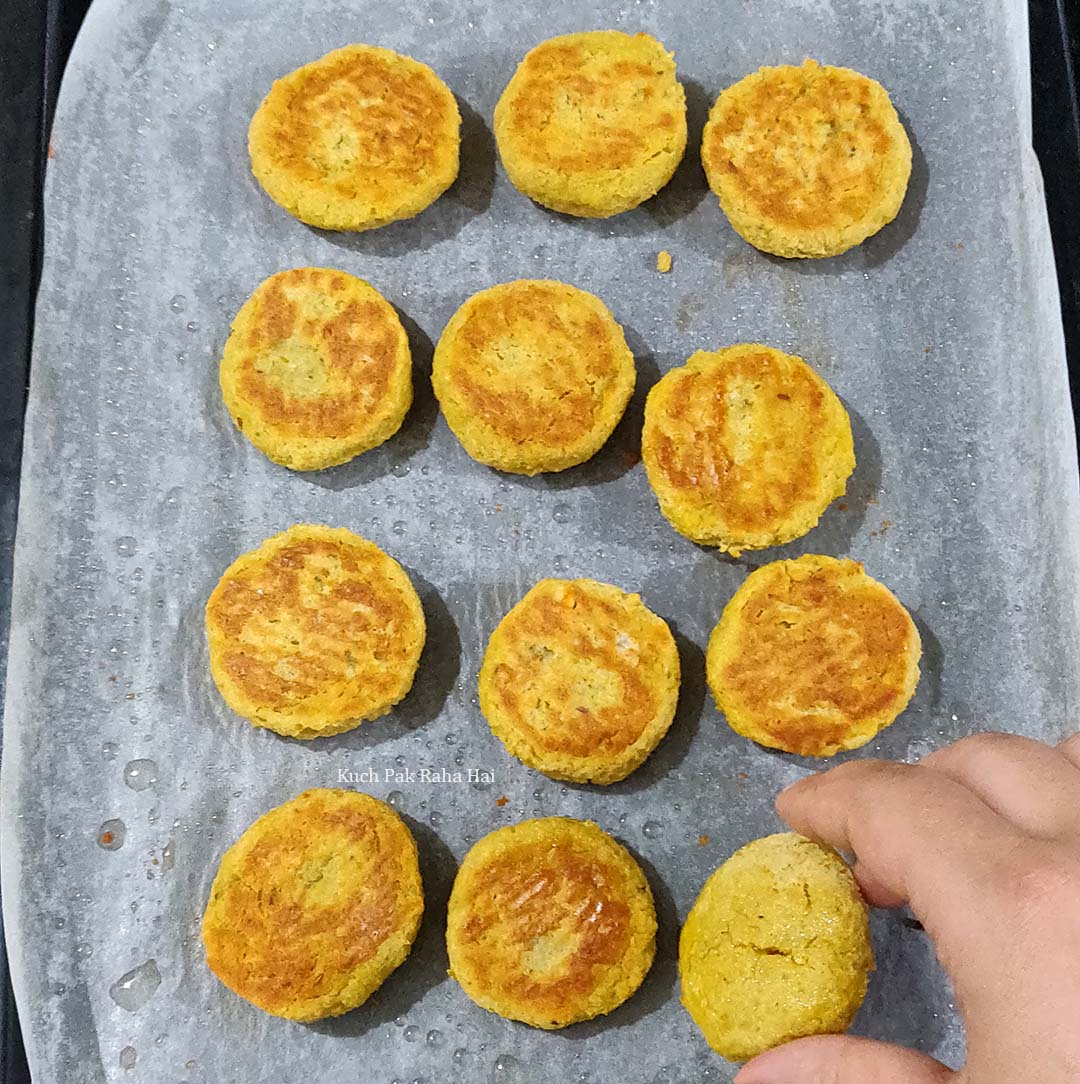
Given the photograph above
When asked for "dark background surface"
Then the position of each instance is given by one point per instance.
(35, 38)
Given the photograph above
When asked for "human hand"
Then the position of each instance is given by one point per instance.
(982, 840)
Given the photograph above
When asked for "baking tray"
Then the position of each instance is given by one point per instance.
(942, 334)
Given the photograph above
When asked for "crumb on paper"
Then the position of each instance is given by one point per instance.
(927, 349)
(501, 800)
(498, 508)
(51, 152)
(632, 457)
(703, 841)
(842, 506)
(130, 696)
(663, 261)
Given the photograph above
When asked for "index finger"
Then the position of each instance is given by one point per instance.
(916, 833)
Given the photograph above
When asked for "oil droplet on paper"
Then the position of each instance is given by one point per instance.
(506, 1067)
(140, 774)
(652, 829)
(178, 303)
(411, 1033)
(126, 546)
(395, 799)
(135, 988)
(128, 1057)
(168, 857)
(111, 835)
(561, 513)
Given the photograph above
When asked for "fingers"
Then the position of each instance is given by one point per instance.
(842, 1059)
(876, 893)
(1032, 785)
(1070, 749)
(918, 836)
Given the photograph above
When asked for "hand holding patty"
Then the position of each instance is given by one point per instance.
(982, 840)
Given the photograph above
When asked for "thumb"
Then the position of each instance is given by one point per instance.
(842, 1059)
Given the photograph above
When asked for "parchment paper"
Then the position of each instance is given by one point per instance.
(942, 335)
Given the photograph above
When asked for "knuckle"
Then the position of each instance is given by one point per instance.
(991, 741)
(1071, 745)
(977, 746)
(1043, 884)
